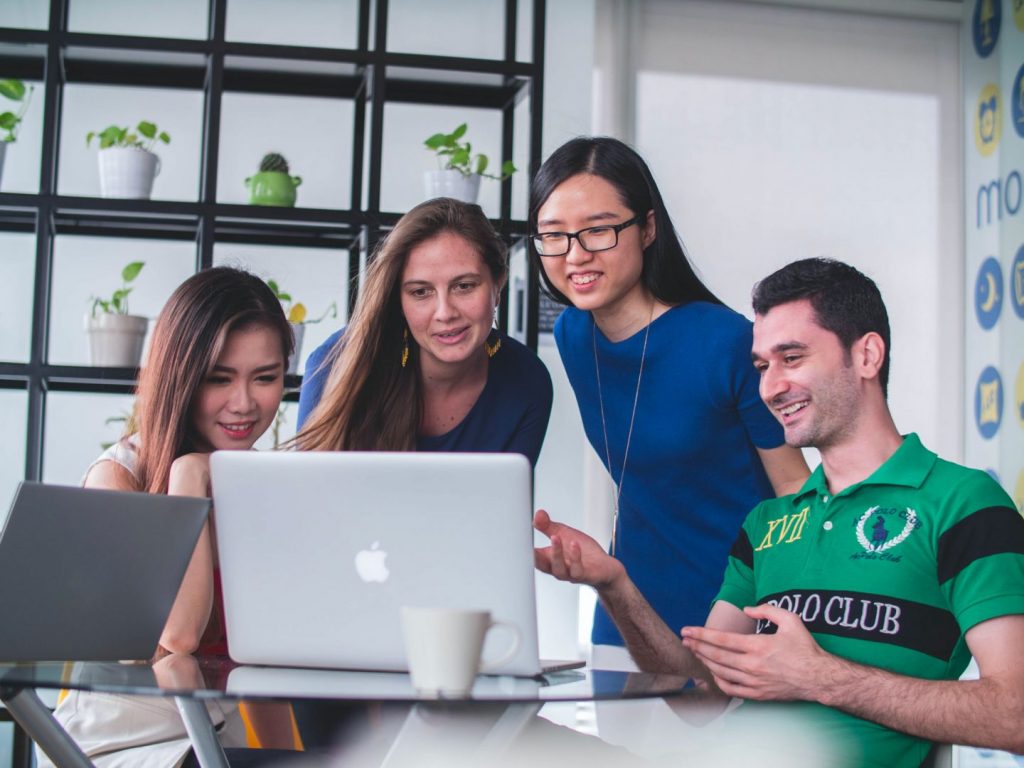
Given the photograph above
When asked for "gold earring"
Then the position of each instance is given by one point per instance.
(405, 347)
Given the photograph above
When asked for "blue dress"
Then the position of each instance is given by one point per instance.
(693, 472)
(510, 416)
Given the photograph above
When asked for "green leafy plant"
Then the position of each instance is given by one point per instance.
(296, 310)
(117, 304)
(145, 136)
(279, 421)
(127, 418)
(14, 90)
(456, 155)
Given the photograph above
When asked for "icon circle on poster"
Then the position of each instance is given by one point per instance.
(985, 23)
(988, 120)
(1016, 278)
(988, 402)
(1016, 97)
(1018, 396)
(1018, 492)
(988, 293)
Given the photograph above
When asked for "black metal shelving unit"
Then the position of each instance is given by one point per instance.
(369, 75)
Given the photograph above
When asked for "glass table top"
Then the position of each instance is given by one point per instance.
(215, 677)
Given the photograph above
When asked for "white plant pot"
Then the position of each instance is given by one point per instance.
(127, 172)
(116, 340)
(3, 154)
(450, 183)
(299, 330)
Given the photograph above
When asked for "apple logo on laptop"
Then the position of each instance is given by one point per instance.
(370, 563)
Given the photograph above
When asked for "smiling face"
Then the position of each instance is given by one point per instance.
(606, 281)
(448, 299)
(240, 396)
(807, 378)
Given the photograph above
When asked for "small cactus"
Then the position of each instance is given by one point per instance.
(274, 162)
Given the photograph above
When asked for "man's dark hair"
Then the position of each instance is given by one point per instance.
(845, 301)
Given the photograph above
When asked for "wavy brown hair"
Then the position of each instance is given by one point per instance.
(370, 402)
(187, 340)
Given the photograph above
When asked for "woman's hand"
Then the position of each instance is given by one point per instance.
(177, 672)
(190, 476)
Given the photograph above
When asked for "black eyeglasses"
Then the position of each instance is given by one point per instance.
(591, 239)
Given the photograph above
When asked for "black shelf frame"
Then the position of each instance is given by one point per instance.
(369, 75)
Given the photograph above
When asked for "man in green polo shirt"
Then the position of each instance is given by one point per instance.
(868, 590)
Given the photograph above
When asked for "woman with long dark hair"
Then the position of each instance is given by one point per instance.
(212, 380)
(662, 375)
(420, 366)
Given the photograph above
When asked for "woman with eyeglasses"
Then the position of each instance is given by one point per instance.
(662, 375)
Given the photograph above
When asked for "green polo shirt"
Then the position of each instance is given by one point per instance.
(890, 572)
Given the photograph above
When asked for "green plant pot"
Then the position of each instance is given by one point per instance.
(272, 188)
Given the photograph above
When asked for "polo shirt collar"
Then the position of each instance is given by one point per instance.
(908, 466)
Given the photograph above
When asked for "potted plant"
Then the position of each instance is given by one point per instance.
(12, 90)
(460, 172)
(127, 161)
(126, 419)
(115, 337)
(272, 185)
(299, 318)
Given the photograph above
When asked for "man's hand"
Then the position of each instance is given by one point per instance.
(574, 556)
(784, 666)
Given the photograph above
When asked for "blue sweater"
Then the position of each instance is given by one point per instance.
(693, 472)
(510, 416)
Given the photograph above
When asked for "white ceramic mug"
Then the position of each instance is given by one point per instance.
(443, 645)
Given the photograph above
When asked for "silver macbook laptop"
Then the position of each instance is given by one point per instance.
(319, 551)
(91, 575)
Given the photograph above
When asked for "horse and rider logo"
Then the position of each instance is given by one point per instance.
(882, 536)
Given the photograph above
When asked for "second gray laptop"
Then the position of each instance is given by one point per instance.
(318, 552)
(91, 575)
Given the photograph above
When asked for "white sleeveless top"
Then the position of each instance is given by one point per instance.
(124, 452)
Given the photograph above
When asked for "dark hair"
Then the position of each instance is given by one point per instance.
(187, 340)
(667, 272)
(845, 301)
(371, 402)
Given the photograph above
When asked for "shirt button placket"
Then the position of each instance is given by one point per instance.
(817, 558)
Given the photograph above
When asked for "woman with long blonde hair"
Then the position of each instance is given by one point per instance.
(420, 366)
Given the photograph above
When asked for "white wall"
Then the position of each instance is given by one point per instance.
(560, 476)
(779, 133)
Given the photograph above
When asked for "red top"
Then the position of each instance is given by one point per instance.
(214, 641)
